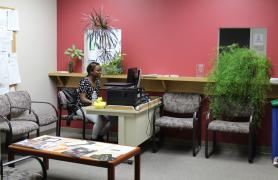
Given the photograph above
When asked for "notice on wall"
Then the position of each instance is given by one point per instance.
(4, 73)
(13, 24)
(14, 75)
(258, 40)
(3, 19)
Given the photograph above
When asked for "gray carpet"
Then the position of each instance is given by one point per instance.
(173, 162)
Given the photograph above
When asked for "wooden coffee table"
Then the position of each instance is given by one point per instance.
(110, 165)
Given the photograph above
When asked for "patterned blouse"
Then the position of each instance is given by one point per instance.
(85, 86)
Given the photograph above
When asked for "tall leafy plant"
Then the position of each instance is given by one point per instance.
(239, 83)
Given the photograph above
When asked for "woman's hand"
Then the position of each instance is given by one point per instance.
(85, 100)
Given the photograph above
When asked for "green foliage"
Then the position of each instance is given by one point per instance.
(74, 52)
(114, 66)
(239, 83)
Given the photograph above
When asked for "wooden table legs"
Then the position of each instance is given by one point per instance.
(137, 167)
(46, 163)
(111, 172)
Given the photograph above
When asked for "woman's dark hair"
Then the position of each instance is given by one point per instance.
(91, 67)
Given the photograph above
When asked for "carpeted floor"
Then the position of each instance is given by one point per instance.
(172, 162)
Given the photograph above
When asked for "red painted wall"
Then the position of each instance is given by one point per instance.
(171, 36)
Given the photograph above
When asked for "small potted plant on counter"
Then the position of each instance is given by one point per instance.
(74, 55)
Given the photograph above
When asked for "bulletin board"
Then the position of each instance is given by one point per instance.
(12, 66)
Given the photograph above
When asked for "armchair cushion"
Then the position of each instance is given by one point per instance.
(228, 126)
(44, 119)
(181, 102)
(19, 127)
(16, 174)
(173, 122)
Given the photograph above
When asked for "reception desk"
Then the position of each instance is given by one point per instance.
(157, 83)
(134, 125)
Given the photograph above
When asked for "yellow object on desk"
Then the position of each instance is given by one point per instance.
(99, 103)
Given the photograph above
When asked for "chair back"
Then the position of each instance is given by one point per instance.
(181, 102)
(19, 99)
(62, 100)
(4, 106)
(232, 110)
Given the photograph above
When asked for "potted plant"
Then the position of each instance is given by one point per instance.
(74, 55)
(101, 35)
(114, 66)
(239, 80)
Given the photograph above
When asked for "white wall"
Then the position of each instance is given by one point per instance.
(36, 46)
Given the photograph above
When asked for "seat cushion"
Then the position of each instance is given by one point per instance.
(44, 119)
(173, 122)
(19, 127)
(16, 174)
(73, 117)
(227, 126)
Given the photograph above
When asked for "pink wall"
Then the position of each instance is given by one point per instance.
(172, 36)
(169, 36)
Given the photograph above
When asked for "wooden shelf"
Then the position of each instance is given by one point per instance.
(158, 83)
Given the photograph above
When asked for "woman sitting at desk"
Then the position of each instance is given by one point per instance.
(88, 87)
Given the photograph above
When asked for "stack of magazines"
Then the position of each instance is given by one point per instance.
(76, 148)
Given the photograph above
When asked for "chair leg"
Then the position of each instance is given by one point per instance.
(57, 128)
(206, 144)
(251, 147)
(60, 125)
(193, 142)
(83, 129)
(9, 139)
(38, 132)
(214, 141)
(154, 149)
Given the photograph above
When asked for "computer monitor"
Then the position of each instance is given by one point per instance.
(133, 79)
(133, 76)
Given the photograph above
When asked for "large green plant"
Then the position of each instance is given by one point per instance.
(239, 82)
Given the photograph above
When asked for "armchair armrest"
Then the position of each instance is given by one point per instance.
(208, 117)
(14, 107)
(30, 111)
(7, 121)
(42, 102)
(44, 173)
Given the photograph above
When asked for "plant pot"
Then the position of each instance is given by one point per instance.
(70, 66)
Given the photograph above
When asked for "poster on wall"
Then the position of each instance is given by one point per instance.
(258, 40)
(100, 49)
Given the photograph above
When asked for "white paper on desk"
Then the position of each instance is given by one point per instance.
(4, 72)
(14, 75)
(13, 24)
(3, 19)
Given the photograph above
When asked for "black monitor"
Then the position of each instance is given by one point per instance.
(133, 79)
(133, 76)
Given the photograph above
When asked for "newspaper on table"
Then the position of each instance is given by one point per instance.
(77, 148)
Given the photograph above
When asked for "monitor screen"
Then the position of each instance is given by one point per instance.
(133, 76)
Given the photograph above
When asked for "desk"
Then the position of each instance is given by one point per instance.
(134, 126)
(51, 154)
